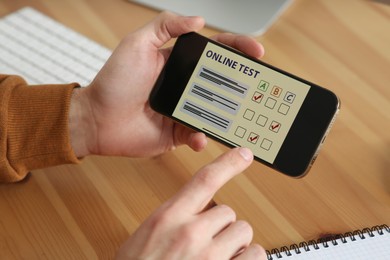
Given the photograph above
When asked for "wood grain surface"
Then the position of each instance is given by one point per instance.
(86, 211)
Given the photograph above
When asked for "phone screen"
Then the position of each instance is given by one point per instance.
(240, 101)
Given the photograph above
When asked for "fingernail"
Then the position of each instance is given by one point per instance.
(246, 153)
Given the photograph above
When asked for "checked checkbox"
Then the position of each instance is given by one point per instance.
(253, 138)
(275, 126)
(257, 97)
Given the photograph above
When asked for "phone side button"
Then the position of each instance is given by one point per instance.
(314, 159)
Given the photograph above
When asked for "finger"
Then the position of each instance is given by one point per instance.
(183, 135)
(197, 141)
(208, 180)
(242, 43)
(168, 25)
(232, 239)
(216, 219)
(254, 251)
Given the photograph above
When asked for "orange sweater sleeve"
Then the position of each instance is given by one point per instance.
(33, 127)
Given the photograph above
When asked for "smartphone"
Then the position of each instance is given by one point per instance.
(241, 101)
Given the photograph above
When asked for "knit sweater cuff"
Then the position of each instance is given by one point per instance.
(37, 128)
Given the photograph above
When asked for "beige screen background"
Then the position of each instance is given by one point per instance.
(240, 101)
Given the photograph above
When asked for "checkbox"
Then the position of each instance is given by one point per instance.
(270, 103)
(257, 97)
(240, 132)
(283, 109)
(275, 126)
(266, 144)
(262, 120)
(253, 138)
(249, 114)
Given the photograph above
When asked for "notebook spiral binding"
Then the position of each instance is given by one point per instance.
(327, 242)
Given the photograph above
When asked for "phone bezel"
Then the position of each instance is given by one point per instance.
(306, 133)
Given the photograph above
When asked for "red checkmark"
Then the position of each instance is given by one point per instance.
(257, 97)
(275, 126)
(253, 138)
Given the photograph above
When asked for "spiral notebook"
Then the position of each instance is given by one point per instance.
(368, 243)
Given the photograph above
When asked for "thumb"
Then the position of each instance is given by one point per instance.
(169, 25)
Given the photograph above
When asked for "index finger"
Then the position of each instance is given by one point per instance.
(196, 194)
(243, 43)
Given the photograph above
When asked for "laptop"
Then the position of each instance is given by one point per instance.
(250, 17)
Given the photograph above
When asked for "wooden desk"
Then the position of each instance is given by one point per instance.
(87, 211)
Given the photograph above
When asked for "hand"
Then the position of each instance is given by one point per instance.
(183, 229)
(112, 115)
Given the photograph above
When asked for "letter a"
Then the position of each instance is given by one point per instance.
(263, 85)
